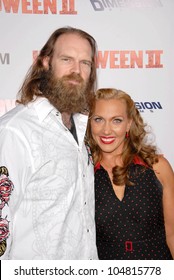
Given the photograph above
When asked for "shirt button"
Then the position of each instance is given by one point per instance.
(85, 202)
(87, 230)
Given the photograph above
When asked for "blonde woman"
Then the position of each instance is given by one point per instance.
(134, 185)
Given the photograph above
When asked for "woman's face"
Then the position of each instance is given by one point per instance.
(109, 124)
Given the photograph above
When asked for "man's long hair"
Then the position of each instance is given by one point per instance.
(30, 88)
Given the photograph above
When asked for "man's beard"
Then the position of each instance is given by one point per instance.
(65, 96)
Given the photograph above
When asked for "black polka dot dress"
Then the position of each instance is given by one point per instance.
(133, 228)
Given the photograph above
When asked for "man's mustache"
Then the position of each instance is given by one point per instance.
(73, 76)
(47, 77)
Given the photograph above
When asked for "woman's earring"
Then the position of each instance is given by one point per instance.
(127, 135)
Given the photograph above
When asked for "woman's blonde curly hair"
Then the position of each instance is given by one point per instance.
(135, 145)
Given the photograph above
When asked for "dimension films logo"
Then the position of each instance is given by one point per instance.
(101, 5)
(147, 105)
(62, 7)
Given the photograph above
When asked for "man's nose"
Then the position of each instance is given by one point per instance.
(75, 67)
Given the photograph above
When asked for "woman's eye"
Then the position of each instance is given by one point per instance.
(117, 120)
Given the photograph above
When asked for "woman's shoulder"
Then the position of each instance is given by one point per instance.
(162, 163)
(163, 169)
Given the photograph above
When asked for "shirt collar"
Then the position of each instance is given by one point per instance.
(97, 166)
(136, 160)
(43, 107)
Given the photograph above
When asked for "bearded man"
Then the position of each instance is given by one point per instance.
(50, 209)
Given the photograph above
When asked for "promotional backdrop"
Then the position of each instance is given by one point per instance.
(135, 50)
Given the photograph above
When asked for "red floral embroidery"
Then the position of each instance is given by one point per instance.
(6, 188)
(4, 229)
